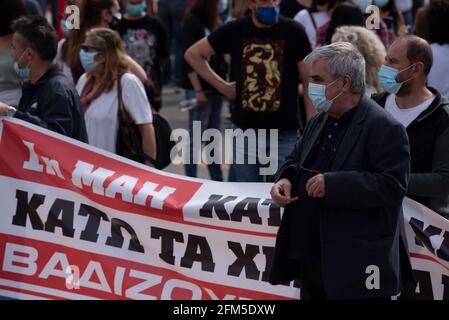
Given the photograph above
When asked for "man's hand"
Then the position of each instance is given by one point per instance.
(201, 99)
(281, 192)
(230, 91)
(315, 187)
(3, 109)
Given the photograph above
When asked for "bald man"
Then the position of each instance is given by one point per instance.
(424, 113)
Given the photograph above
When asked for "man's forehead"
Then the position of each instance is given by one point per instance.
(320, 67)
(398, 50)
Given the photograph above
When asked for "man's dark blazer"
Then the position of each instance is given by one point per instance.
(361, 221)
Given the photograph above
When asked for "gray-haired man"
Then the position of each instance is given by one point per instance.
(342, 188)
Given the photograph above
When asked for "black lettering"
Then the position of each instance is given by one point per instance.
(116, 238)
(195, 243)
(64, 208)
(247, 207)
(245, 260)
(90, 232)
(274, 219)
(216, 203)
(167, 239)
(25, 208)
(422, 236)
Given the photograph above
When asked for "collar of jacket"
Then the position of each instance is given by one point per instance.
(350, 137)
(51, 72)
(439, 102)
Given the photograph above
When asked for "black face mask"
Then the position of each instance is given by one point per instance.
(114, 24)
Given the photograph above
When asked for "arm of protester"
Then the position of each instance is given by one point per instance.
(197, 56)
(137, 70)
(435, 183)
(148, 141)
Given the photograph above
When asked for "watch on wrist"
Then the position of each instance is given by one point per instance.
(11, 112)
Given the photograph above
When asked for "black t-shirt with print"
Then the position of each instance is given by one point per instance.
(265, 65)
(146, 41)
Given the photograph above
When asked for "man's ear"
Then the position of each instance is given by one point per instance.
(347, 82)
(418, 68)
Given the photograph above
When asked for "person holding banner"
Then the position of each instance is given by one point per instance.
(342, 232)
(49, 99)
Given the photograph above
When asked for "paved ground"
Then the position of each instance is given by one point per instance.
(179, 119)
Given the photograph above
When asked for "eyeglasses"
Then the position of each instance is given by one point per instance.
(91, 48)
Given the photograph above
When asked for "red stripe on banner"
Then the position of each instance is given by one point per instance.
(50, 147)
(32, 293)
(120, 279)
(425, 257)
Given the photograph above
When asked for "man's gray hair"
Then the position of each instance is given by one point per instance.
(342, 59)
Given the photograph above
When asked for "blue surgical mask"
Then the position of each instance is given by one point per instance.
(65, 30)
(87, 60)
(136, 9)
(317, 94)
(24, 73)
(268, 15)
(387, 78)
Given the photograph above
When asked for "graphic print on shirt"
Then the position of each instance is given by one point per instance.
(141, 46)
(262, 69)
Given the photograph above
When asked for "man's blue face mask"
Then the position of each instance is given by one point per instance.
(268, 15)
(387, 78)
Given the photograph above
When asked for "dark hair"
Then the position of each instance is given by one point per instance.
(418, 50)
(438, 21)
(393, 12)
(330, 4)
(90, 17)
(38, 34)
(345, 14)
(206, 11)
(9, 11)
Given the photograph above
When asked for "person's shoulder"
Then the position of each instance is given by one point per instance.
(300, 15)
(291, 25)
(376, 114)
(130, 80)
(59, 84)
(241, 22)
(153, 21)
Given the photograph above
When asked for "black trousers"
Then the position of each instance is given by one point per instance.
(312, 285)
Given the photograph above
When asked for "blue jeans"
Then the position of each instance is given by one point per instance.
(250, 172)
(171, 13)
(210, 117)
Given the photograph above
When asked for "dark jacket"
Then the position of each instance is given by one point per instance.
(53, 103)
(361, 222)
(429, 148)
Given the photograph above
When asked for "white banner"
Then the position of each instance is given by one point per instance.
(80, 223)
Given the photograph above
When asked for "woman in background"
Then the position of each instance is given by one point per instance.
(104, 59)
(370, 47)
(93, 14)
